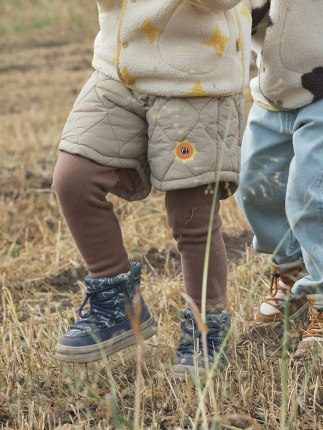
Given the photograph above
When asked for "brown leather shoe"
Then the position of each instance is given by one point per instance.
(283, 278)
(312, 341)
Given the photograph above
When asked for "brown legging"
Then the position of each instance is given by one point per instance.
(82, 185)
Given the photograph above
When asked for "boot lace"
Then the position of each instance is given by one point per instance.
(315, 328)
(288, 278)
(191, 341)
(188, 340)
(274, 287)
(101, 311)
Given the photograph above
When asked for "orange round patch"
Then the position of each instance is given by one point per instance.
(184, 150)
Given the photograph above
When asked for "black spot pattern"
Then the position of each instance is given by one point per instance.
(258, 14)
(269, 22)
(313, 82)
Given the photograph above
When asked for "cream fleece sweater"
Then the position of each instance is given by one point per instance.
(173, 48)
(288, 42)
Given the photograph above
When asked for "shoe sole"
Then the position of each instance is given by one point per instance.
(297, 316)
(87, 354)
(183, 372)
(309, 349)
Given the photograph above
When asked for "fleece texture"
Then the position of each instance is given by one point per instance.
(288, 46)
(175, 48)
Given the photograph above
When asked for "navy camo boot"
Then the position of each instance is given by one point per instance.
(105, 328)
(189, 355)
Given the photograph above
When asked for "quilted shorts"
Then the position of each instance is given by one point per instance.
(167, 143)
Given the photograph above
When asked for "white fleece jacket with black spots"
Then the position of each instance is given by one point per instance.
(173, 48)
(288, 43)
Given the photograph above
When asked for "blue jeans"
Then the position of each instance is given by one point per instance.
(281, 187)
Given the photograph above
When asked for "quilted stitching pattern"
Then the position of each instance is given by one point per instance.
(111, 125)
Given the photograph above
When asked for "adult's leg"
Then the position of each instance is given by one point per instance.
(81, 186)
(189, 212)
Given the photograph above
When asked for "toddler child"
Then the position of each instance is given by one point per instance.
(163, 107)
(282, 160)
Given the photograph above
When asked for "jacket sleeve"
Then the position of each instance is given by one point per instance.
(213, 5)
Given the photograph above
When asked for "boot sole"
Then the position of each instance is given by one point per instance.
(183, 372)
(86, 354)
(309, 350)
(297, 316)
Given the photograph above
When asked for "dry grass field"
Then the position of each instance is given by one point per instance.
(45, 57)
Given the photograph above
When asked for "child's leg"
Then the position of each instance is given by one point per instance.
(304, 204)
(267, 150)
(188, 212)
(107, 126)
(304, 200)
(81, 187)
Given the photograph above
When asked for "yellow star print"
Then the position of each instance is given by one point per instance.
(197, 91)
(149, 30)
(218, 41)
(239, 44)
(126, 77)
(245, 11)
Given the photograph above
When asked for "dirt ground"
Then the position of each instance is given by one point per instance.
(42, 75)
(41, 270)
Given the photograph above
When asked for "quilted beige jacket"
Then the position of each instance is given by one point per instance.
(175, 47)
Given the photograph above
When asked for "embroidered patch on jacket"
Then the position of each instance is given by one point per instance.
(185, 151)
